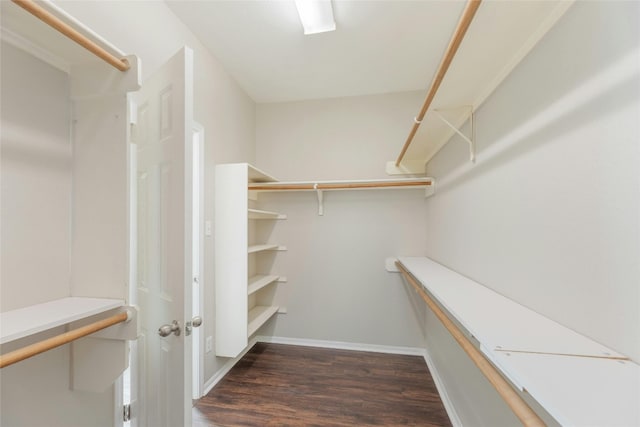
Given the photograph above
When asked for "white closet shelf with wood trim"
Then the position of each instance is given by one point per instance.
(490, 40)
(363, 184)
(49, 33)
(575, 379)
(27, 321)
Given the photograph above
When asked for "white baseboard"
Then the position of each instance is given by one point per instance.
(340, 345)
(442, 391)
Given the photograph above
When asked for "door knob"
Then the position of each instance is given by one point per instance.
(166, 330)
(194, 323)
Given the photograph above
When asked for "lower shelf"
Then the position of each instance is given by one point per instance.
(30, 320)
(258, 315)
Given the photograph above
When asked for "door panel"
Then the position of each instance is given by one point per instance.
(162, 137)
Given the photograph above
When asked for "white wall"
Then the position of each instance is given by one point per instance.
(549, 215)
(340, 138)
(36, 181)
(151, 31)
(338, 289)
(37, 173)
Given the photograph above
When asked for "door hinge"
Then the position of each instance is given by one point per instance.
(126, 412)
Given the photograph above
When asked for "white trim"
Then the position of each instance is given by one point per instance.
(118, 391)
(340, 345)
(442, 391)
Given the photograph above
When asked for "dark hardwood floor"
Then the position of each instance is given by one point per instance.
(283, 385)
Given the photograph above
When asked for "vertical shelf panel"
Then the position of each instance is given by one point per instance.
(239, 314)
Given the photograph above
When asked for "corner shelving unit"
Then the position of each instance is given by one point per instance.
(244, 292)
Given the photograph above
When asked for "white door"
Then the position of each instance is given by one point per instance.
(162, 137)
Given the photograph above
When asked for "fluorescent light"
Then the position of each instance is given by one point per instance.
(316, 16)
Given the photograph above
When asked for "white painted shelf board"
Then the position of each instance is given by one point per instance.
(575, 390)
(501, 34)
(20, 323)
(260, 281)
(260, 214)
(256, 175)
(578, 391)
(495, 320)
(24, 30)
(258, 315)
(260, 248)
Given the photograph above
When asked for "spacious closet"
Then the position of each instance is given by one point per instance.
(486, 223)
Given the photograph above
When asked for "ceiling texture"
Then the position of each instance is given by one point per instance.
(379, 46)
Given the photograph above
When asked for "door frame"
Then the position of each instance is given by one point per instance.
(198, 291)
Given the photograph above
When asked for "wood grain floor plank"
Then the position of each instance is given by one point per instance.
(284, 385)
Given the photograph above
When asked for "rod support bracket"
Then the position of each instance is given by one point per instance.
(320, 199)
(471, 140)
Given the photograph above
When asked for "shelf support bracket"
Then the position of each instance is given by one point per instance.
(470, 140)
(320, 199)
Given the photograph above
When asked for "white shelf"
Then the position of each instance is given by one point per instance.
(576, 381)
(256, 175)
(258, 315)
(260, 281)
(259, 214)
(357, 184)
(501, 35)
(261, 248)
(23, 322)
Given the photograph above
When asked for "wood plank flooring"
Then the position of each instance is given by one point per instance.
(283, 385)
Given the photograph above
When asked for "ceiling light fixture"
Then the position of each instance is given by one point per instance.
(316, 16)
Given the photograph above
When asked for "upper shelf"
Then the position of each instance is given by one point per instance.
(20, 323)
(50, 34)
(501, 34)
(22, 28)
(256, 175)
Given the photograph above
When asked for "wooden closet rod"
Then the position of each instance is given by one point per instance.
(48, 18)
(338, 186)
(458, 36)
(519, 407)
(65, 338)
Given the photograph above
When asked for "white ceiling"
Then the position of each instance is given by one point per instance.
(379, 46)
